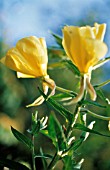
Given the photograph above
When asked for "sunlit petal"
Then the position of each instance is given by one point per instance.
(28, 57)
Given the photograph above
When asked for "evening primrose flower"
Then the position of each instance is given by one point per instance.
(29, 58)
(85, 47)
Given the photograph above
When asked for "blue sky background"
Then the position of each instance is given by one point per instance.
(20, 18)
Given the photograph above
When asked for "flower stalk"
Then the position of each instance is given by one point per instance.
(33, 153)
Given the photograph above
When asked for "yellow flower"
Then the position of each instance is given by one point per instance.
(85, 47)
(29, 58)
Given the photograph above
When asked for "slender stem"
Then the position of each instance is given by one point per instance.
(57, 155)
(54, 161)
(95, 115)
(65, 90)
(33, 154)
(73, 121)
(102, 84)
(76, 113)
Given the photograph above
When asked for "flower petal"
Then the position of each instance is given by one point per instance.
(84, 45)
(21, 75)
(100, 31)
(28, 57)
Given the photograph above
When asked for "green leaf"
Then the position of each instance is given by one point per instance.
(58, 107)
(12, 164)
(77, 143)
(45, 132)
(68, 163)
(22, 138)
(36, 127)
(84, 128)
(43, 159)
(97, 86)
(64, 112)
(56, 133)
(58, 39)
(72, 67)
(101, 62)
(45, 156)
(88, 102)
(95, 115)
(102, 96)
(62, 96)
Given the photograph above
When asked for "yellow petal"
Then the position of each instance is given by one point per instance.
(66, 41)
(28, 57)
(100, 31)
(21, 75)
(71, 41)
(84, 45)
(33, 49)
(15, 61)
(95, 51)
(87, 32)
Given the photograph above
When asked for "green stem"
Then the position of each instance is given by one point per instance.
(33, 154)
(95, 115)
(73, 121)
(102, 84)
(58, 155)
(54, 161)
(76, 113)
(65, 90)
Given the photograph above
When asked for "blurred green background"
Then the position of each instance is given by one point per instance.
(20, 18)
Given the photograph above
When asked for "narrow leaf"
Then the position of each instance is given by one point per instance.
(72, 67)
(102, 96)
(61, 97)
(22, 138)
(69, 161)
(75, 145)
(56, 133)
(45, 156)
(36, 127)
(84, 128)
(88, 102)
(101, 62)
(43, 159)
(12, 164)
(58, 39)
(64, 112)
(97, 86)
